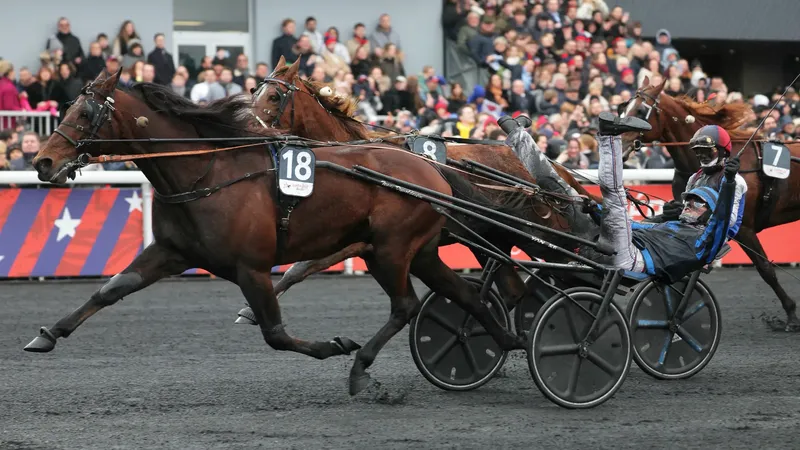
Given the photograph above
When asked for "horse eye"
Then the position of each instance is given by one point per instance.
(273, 98)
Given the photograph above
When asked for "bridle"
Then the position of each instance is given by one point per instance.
(285, 95)
(645, 107)
(97, 114)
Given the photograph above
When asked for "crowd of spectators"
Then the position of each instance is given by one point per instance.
(561, 62)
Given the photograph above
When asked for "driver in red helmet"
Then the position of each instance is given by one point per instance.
(712, 145)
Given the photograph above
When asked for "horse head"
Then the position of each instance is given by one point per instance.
(307, 108)
(90, 116)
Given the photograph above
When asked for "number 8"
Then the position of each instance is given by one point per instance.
(303, 170)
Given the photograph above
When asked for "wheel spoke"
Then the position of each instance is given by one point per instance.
(558, 350)
(433, 360)
(668, 300)
(601, 363)
(573, 378)
(570, 321)
(667, 344)
(642, 323)
(473, 364)
(443, 322)
(689, 339)
(695, 309)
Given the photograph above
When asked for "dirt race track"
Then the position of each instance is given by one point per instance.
(167, 368)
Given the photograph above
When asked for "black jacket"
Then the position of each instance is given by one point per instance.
(282, 46)
(165, 67)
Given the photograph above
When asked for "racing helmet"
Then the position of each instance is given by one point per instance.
(711, 144)
(706, 195)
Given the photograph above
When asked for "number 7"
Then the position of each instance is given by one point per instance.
(777, 155)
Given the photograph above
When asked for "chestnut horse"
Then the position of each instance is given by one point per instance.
(312, 112)
(668, 117)
(218, 211)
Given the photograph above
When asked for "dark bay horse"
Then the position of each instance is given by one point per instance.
(233, 231)
(309, 111)
(668, 119)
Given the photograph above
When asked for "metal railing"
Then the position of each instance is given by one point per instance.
(41, 122)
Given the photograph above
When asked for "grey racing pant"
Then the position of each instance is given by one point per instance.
(616, 224)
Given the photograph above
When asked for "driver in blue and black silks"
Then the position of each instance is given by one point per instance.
(712, 145)
(669, 250)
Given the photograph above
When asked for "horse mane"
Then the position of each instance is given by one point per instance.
(730, 116)
(230, 117)
(343, 108)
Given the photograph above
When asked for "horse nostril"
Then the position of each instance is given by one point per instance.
(43, 165)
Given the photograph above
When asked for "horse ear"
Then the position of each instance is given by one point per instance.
(111, 81)
(293, 70)
(281, 63)
(645, 82)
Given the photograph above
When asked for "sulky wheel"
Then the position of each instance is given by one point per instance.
(450, 348)
(538, 294)
(569, 371)
(667, 347)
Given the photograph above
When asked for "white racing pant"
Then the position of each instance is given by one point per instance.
(616, 224)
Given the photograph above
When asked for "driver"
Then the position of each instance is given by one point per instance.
(712, 145)
(668, 250)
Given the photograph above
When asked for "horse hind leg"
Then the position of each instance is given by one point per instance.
(302, 270)
(752, 247)
(257, 289)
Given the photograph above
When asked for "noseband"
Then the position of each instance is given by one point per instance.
(286, 95)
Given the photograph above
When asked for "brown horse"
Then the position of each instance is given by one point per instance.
(218, 211)
(668, 117)
(312, 112)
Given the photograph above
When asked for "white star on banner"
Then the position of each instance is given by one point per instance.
(2, 258)
(134, 202)
(66, 225)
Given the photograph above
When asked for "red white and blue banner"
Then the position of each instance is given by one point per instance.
(70, 232)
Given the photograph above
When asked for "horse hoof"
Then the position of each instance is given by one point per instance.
(345, 345)
(359, 383)
(246, 317)
(793, 327)
(43, 343)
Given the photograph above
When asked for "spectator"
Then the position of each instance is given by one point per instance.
(358, 40)
(135, 53)
(314, 36)
(384, 34)
(148, 73)
(333, 61)
(457, 98)
(93, 64)
(572, 158)
(67, 42)
(69, 83)
(161, 59)
(339, 49)
(9, 97)
(302, 51)
(26, 79)
(519, 99)
(4, 164)
(361, 63)
(262, 71)
(481, 45)
(16, 159)
(285, 44)
(242, 69)
(659, 159)
(468, 31)
(127, 32)
(390, 64)
(398, 97)
(30, 147)
(178, 85)
(207, 90)
(112, 64)
(663, 41)
(453, 14)
(102, 39)
(46, 94)
(250, 84)
(226, 81)
(136, 71)
(495, 92)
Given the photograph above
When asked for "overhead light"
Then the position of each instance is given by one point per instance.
(188, 23)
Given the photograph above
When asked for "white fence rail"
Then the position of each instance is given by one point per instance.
(39, 121)
(28, 177)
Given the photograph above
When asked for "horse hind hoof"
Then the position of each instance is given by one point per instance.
(43, 343)
(246, 317)
(345, 345)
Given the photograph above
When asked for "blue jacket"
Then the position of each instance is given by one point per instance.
(673, 249)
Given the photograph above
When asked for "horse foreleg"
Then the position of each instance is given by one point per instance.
(257, 289)
(752, 247)
(302, 270)
(153, 264)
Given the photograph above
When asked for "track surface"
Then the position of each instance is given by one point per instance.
(167, 368)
